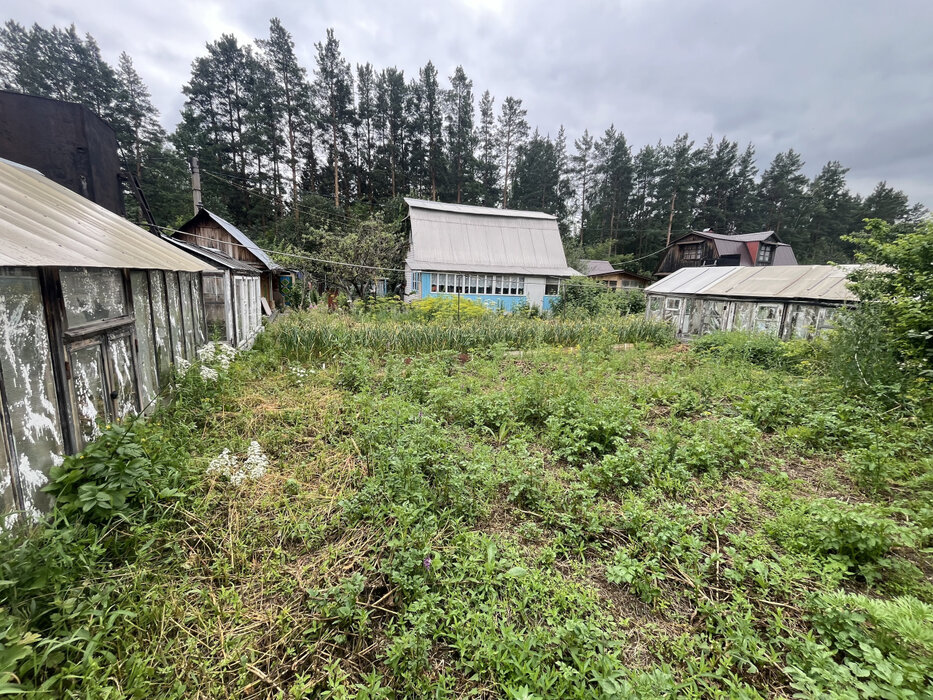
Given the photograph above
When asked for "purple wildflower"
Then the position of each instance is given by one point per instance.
(427, 563)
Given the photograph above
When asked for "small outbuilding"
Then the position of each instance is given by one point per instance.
(615, 280)
(501, 257)
(94, 311)
(792, 301)
(208, 230)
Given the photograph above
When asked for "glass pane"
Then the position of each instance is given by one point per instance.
(92, 295)
(148, 379)
(7, 500)
(124, 382)
(163, 340)
(242, 310)
(174, 315)
(26, 367)
(187, 315)
(197, 304)
(214, 306)
(87, 385)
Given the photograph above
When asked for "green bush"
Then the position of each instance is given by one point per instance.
(121, 471)
(447, 307)
(582, 297)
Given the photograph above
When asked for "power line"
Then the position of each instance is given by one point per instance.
(283, 253)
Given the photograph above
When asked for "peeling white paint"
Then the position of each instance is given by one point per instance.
(25, 363)
(92, 294)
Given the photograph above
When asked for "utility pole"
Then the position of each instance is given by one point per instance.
(196, 184)
(670, 221)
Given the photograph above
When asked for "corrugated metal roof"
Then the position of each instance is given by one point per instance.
(816, 282)
(463, 238)
(43, 223)
(214, 256)
(244, 240)
(690, 280)
(479, 211)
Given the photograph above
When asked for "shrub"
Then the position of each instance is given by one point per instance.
(118, 473)
(756, 348)
(447, 308)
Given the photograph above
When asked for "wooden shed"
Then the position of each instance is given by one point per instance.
(94, 311)
(208, 230)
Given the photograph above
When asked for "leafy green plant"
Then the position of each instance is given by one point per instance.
(119, 472)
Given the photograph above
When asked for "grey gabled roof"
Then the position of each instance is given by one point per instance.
(239, 236)
(812, 282)
(463, 238)
(45, 224)
(218, 259)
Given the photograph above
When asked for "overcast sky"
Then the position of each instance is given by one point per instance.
(847, 80)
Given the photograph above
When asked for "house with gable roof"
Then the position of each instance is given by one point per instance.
(708, 249)
(501, 257)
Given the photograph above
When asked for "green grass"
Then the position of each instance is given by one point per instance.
(305, 336)
(445, 517)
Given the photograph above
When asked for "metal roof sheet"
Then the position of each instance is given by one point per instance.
(217, 258)
(471, 209)
(690, 280)
(464, 238)
(816, 282)
(244, 240)
(43, 223)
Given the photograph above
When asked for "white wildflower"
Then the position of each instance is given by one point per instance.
(256, 461)
(228, 465)
(182, 365)
(208, 374)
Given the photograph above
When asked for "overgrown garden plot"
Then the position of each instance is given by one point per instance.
(566, 521)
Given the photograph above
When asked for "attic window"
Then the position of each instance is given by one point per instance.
(692, 253)
(765, 254)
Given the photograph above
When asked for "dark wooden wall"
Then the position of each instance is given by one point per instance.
(64, 141)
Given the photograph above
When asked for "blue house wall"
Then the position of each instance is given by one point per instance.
(506, 302)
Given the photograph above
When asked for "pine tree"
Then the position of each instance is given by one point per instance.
(293, 94)
(832, 215)
(432, 121)
(614, 175)
(216, 121)
(391, 122)
(366, 136)
(461, 138)
(332, 95)
(488, 153)
(137, 118)
(513, 131)
(784, 196)
(582, 169)
(536, 177)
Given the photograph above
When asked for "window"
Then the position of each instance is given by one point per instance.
(510, 285)
(692, 254)
(92, 294)
(551, 286)
(765, 254)
(416, 283)
(612, 284)
(672, 304)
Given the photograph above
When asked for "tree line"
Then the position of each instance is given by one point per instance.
(295, 152)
